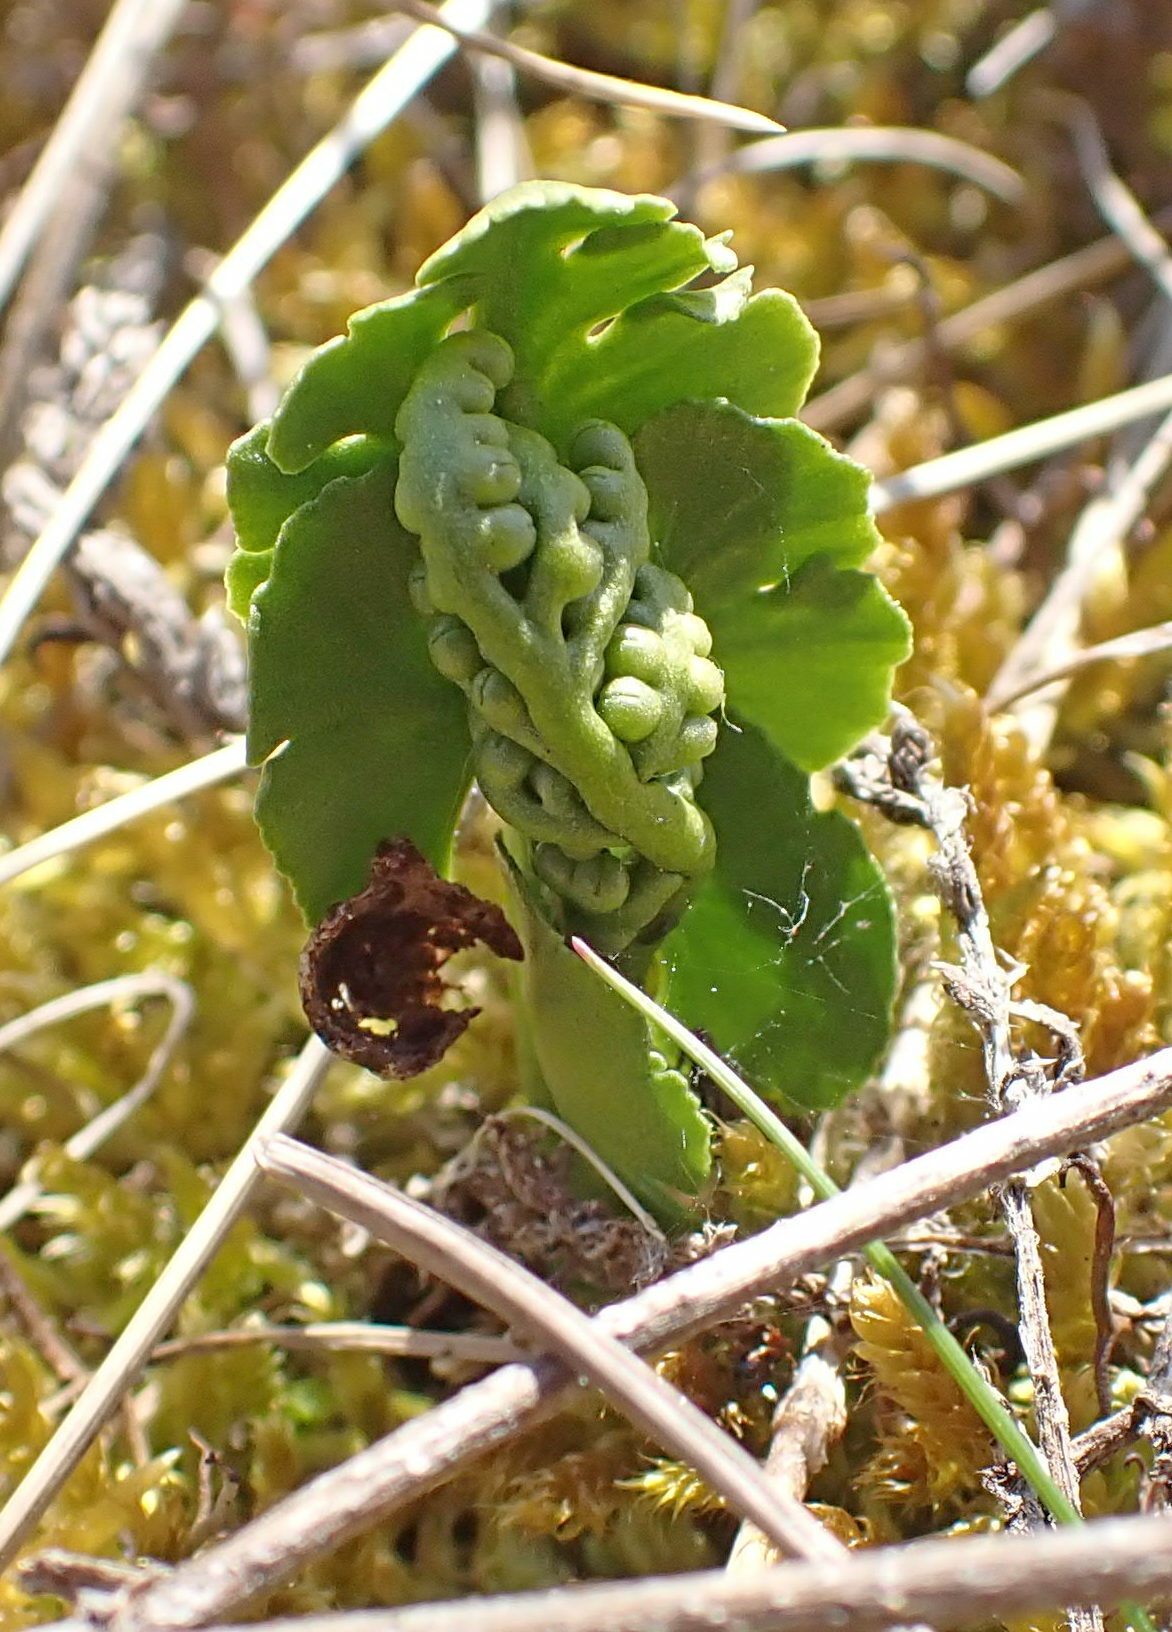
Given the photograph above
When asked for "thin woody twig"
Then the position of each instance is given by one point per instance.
(216, 1495)
(112, 81)
(245, 337)
(52, 274)
(1148, 642)
(1052, 635)
(422, 1453)
(964, 467)
(811, 1415)
(325, 1337)
(585, 82)
(59, 1355)
(404, 1342)
(1049, 643)
(1104, 1248)
(894, 144)
(712, 143)
(219, 766)
(1038, 1343)
(68, 1575)
(946, 1582)
(1154, 1422)
(982, 987)
(1116, 202)
(537, 1311)
(1100, 1442)
(1012, 51)
(1081, 269)
(929, 1239)
(503, 156)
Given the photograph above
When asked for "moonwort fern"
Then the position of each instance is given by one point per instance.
(548, 522)
(590, 694)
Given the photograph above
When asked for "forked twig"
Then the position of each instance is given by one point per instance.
(421, 1454)
(536, 1311)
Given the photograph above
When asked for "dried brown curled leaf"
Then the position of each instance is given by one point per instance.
(370, 972)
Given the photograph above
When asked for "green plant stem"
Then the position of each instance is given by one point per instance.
(984, 1399)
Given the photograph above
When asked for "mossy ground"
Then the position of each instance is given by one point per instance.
(1073, 846)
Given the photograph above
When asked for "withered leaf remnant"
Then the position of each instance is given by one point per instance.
(370, 972)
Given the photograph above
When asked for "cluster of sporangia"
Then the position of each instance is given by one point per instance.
(590, 690)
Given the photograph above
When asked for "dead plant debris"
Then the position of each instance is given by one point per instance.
(370, 972)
